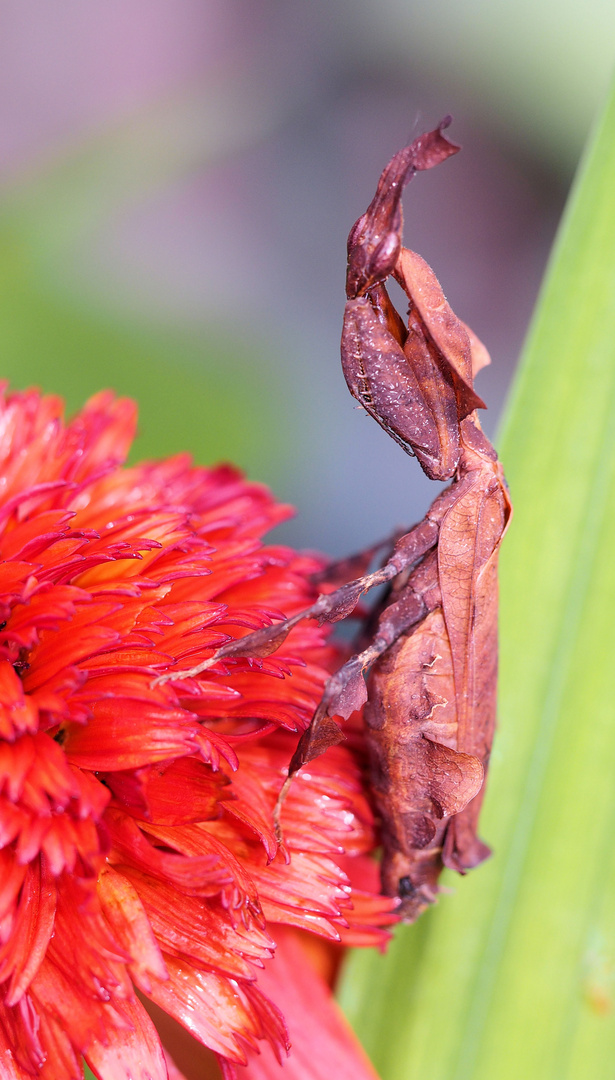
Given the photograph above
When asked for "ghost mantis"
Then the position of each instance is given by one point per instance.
(427, 677)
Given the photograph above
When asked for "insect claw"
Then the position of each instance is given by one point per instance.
(277, 810)
(187, 673)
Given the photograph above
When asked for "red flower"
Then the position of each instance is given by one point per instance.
(137, 848)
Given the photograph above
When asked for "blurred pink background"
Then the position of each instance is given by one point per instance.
(192, 167)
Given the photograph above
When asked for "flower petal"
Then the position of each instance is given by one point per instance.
(23, 953)
(124, 911)
(125, 734)
(225, 1015)
(322, 1043)
(137, 839)
(129, 1054)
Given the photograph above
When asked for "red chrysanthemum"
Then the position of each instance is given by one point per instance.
(137, 847)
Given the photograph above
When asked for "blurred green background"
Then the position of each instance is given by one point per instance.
(178, 178)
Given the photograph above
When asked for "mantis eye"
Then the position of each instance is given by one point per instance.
(367, 264)
(405, 887)
(385, 256)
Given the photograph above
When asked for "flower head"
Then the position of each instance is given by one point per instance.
(137, 843)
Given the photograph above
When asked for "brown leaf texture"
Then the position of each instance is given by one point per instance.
(448, 334)
(430, 712)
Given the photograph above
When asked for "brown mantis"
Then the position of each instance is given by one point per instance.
(432, 656)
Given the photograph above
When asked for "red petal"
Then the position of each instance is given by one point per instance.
(175, 793)
(62, 1061)
(21, 1044)
(126, 734)
(223, 1014)
(202, 934)
(253, 807)
(322, 1043)
(102, 431)
(198, 842)
(214, 747)
(23, 953)
(18, 713)
(204, 875)
(124, 911)
(11, 878)
(83, 948)
(129, 1055)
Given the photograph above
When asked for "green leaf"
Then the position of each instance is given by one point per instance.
(513, 976)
